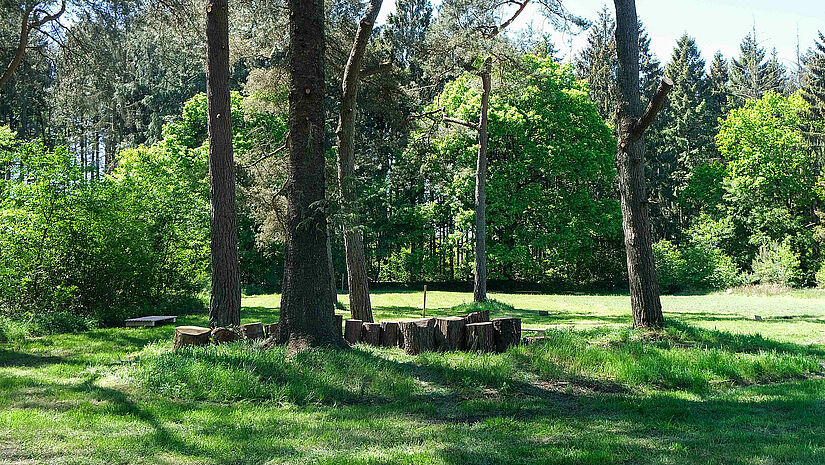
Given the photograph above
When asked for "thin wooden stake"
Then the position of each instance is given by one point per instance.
(424, 309)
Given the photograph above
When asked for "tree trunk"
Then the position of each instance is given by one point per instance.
(507, 332)
(641, 271)
(225, 300)
(307, 316)
(359, 292)
(419, 335)
(480, 337)
(389, 334)
(449, 333)
(480, 280)
(191, 336)
(352, 331)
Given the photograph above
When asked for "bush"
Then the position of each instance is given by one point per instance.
(820, 277)
(776, 263)
(699, 267)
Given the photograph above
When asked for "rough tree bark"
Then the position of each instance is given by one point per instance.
(307, 316)
(641, 270)
(225, 300)
(480, 280)
(33, 19)
(359, 292)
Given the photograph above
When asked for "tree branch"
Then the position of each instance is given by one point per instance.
(504, 25)
(461, 122)
(382, 68)
(656, 104)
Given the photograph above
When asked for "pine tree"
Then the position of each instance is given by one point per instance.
(813, 92)
(596, 64)
(719, 87)
(751, 75)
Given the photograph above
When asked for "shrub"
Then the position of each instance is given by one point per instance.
(820, 277)
(776, 263)
(670, 266)
(699, 267)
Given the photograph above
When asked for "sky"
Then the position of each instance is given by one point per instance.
(715, 24)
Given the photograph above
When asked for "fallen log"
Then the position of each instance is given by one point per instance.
(389, 333)
(419, 335)
(191, 336)
(449, 333)
(371, 334)
(480, 337)
(507, 332)
(352, 331)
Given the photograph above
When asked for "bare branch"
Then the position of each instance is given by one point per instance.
(653, 108)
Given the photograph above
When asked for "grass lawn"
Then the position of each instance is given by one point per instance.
(705, 391)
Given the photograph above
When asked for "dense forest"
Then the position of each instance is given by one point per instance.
(104, 153)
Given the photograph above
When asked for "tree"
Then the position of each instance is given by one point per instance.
(34, 16)
(225, 299)
(641, 270)
(751, 76)
(719, 80)
(813, 92)
(359, 292)
(596, 64)
(307, 315)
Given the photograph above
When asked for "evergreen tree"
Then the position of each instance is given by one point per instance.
(813, 92)
(719, 80)
(596, 64)
(751, 75)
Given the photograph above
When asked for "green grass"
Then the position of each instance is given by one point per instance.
(706, 390)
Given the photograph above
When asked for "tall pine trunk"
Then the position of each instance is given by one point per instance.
(641, 270)
(225, 300)
(359, 291)
(307, 314)
(480, 280)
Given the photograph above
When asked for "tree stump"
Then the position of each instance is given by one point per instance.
(419, 335)
(352, 331)
(478, 317)
(389, 334)
(272, 331)
(371, 334)
(449, 333)
(222, 335)
(507, 332)
(191, 336)
(252, 331)
(533, 340)
(480, 337)
(339, 320)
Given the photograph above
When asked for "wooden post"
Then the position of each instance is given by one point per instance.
(352, 331)
(424, 309)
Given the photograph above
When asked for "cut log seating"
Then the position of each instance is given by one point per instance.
(507, 332)
(252, 331)
(223, 335)
(352, 331)
(478, 317)
(480, 337)
(371, 334)
(339, 321)
(272, 331)
(191, 336)
(389, 333)
(449, 333)
(419, 335)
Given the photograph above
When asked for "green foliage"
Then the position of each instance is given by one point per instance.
(493, 306)
(776, 263)
(820, 277)
(698, 266)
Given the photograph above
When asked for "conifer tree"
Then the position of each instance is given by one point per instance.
(596, 64)
(752, 75)
(719, 80)
(813, 92)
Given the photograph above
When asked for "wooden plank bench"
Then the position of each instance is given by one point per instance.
(150, 321)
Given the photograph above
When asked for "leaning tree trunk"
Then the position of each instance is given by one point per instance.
(641, 270)
(480, 280)
(307, 316)
(225, 300)
(359, 291)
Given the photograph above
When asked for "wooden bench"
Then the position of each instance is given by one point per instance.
(150, 321)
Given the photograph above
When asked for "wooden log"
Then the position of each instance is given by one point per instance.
(352, 331)
(339, 321)
(272, 331)
(222, 335)
(480, 337)
(533, 340)
(478, 317)
(191, 336)
(507, 332)
(449, 333)
(389, 333)
(371, 334)
(419, 335)
(252, 331)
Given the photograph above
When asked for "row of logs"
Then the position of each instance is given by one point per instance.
(474, 332)
(199, 336)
